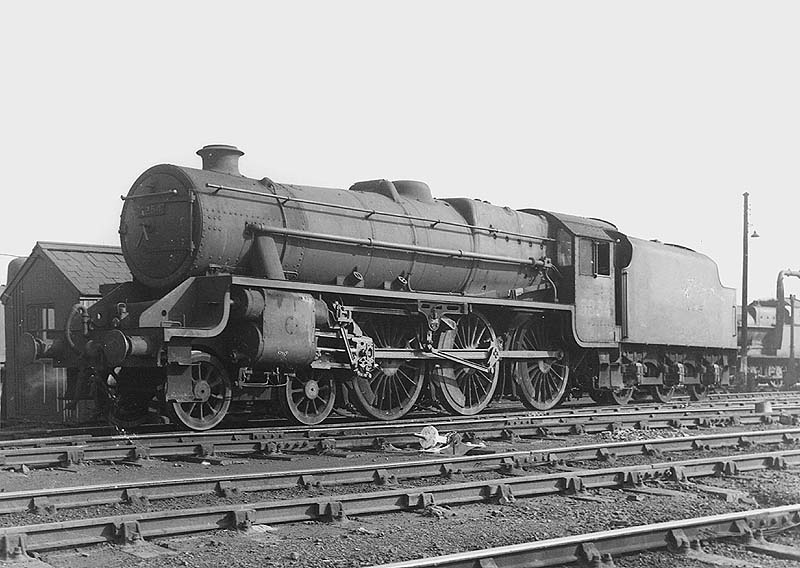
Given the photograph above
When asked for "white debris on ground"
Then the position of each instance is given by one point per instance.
(430, 441)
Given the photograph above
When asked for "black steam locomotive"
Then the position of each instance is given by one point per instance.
(249, 294)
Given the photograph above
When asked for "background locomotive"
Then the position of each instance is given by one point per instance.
(248, 292)
(771, 338)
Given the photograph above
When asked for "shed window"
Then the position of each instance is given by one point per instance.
(40, 318)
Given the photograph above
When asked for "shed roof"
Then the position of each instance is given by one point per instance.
(85, 266)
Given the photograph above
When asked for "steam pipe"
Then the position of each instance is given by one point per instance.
(261, 229)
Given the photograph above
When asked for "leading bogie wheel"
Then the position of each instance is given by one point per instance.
(465, 390)
(309, 400)
(132, 396)
(211, 385)
(542, 383)
(394, 386)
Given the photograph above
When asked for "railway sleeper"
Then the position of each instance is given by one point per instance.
(72, 456)
(128, 532)
(632, 479)
(139, 452)
(590, 555)
(512, 467)
(309, 481)
(509, 435)
(13, 547)
(383, 477)
(331, 511)
(572, 484)
(43, 506)
(728, 495)
(243, 519)
(420, 500)
(502, 494)
(228, 489)
(679, 543)
(651, 451)
(760, 545)
(778, 462)
(137, 498)
(604, 455)
(452, 473)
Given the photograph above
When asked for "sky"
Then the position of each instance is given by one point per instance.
(655, 116)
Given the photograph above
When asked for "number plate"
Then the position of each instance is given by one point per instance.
(152, 210)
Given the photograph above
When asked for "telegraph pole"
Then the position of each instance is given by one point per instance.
(792, 378)
(745, 237)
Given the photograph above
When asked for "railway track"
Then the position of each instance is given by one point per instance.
(599, 548)
(35, 436)
(518, 463)
(39, 453)
(129, 528)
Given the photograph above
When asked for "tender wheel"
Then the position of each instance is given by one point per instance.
(662, 393)
(598, 395)
(309, 400)
(212, 386)
(395, 385)
(697, 392)
(542, 383)
(464, 390)
(620, 397)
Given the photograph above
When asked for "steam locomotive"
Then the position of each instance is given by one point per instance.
(771, 357)
(252, 295)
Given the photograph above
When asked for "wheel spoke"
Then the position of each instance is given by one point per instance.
(395, 386)
(465, 390)
(540, 389)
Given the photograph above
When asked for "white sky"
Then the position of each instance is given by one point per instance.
(655, 116)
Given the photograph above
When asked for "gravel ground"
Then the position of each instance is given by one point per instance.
(384, 538)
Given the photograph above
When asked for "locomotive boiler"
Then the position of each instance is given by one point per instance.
(249, 295)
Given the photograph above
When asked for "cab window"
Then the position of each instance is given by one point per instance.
(595, 258)
(602, 252)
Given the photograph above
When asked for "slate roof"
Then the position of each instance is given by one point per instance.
(88, 266)
(85, 266)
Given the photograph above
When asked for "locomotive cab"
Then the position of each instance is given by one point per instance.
(585, 251)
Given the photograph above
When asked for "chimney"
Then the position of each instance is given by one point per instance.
(221, 158)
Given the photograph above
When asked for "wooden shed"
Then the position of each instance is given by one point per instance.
(38, 299)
